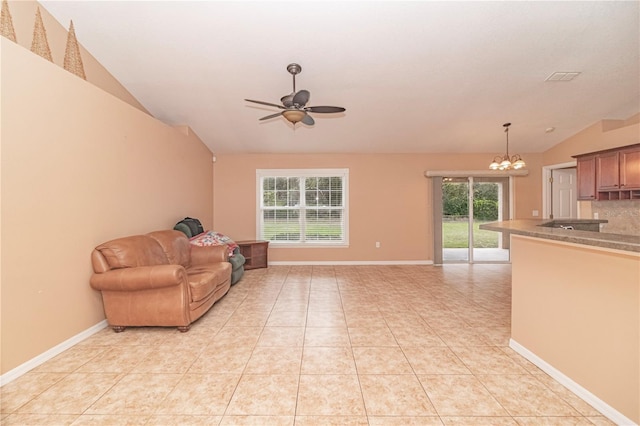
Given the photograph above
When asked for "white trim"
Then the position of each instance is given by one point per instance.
(512, 198)
(476, 173)
(546, 185)
(51, 353)
(350, 262)
(607, 410)
(300, 172)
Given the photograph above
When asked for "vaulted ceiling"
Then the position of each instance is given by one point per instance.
(420, 76)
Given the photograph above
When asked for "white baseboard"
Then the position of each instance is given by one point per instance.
(350, 262)
(46, 356)
(604, 408)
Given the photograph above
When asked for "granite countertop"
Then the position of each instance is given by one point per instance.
(531, 228)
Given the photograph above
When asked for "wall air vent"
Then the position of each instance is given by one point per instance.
(562, 76)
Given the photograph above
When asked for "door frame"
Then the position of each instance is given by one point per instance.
(546, 187)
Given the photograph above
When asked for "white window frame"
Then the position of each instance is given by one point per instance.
(303, 173)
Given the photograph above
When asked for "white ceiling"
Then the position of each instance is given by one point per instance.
(419, 76)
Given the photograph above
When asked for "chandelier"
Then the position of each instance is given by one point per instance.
(506, 162)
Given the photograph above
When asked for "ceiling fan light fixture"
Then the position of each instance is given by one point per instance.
(294, 115)
(506, 162)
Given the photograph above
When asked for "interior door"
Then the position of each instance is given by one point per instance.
(564, 201)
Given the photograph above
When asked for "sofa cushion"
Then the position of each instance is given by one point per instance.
(175, 245)
(131, 252)
(204, 279)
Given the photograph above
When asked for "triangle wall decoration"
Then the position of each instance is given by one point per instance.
(6, 23)
(39, 44)
(72, 58)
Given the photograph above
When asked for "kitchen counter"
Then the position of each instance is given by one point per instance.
(575, 310)
(536, 228)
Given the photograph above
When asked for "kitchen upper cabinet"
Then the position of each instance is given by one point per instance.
(630, 168)
(586, 177)
(609, 175)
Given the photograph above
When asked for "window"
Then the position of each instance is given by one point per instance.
(303, 207)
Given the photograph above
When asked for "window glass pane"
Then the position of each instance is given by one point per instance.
(282, 183)
(323, 225)
(281, 225)
(336, 184)
(323, 198)
(324, 183)
(336, 199)
(269, 183)
(311, 198)
(311, 183)
(294, 183)
(294, 198)
(269, 198)
(281, 198)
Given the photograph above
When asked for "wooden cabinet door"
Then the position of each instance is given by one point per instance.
(586, 177)
(608, 171)
(630, 168)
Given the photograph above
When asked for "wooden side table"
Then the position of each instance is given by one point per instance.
(255, 253)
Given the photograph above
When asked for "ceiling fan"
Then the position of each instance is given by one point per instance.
(293, 105)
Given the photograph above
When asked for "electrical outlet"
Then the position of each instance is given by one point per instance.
(595, 215)
(535, 213)
(377, 244)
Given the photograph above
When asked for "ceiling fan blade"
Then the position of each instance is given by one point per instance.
(287, 100)
(265, 103)
(308, 120)
(277, 114)
(325, 109)
(301, 98)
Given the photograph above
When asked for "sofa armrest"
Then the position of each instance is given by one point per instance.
(209, 254)
(139, 278)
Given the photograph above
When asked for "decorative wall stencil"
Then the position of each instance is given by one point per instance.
(72, 58)
(6, 23)
(39, 44)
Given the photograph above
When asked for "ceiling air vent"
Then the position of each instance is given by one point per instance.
(562, 76)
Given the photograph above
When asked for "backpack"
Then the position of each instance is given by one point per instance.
(193, 226)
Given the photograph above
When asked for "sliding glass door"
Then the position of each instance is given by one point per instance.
(456, 222)
(461, 205)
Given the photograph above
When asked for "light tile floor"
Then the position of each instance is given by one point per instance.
(344, 345)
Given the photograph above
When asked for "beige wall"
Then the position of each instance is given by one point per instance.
(390, 200)
(602, 135)
(78, 167)
(578, 309)
(23, 15)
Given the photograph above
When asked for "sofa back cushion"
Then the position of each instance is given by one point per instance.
(175, 245)
(129, 252)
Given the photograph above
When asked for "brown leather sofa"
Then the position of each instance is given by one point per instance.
(158, 279)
